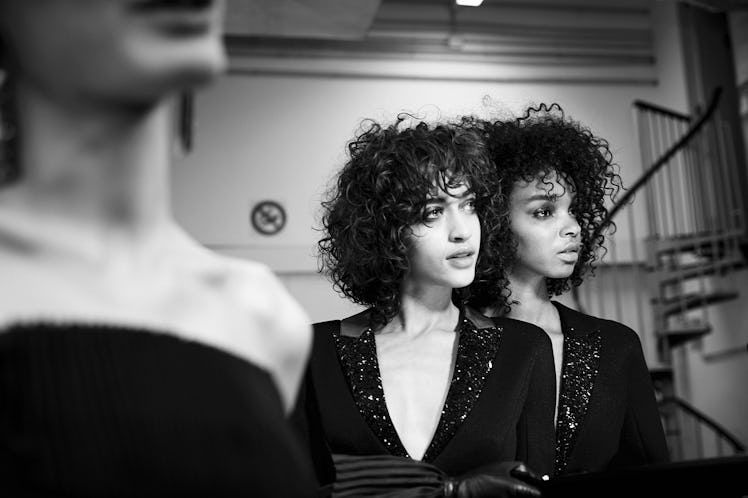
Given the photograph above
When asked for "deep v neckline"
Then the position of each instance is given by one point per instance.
(476, 350)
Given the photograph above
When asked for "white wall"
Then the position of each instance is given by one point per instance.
(283, 138)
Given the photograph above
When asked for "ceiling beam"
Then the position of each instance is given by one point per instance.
(327, 19)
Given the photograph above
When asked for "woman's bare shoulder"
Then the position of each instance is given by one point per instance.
(255, 287)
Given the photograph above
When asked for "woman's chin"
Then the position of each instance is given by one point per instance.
(564, 273)
(174, 66)
(152, 85)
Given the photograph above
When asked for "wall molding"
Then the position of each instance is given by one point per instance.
(282, 259)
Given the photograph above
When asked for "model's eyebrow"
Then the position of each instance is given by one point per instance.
(442, 197)
(541, 197)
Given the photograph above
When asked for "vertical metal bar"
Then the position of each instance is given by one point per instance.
(670, 177)
(645, 139)
(729, 242)
(735, 208)
(711, 190)
(719, 176)
(734, 181)
(661, 230)
(697, 185)
(690, 197)
(704, 165)
(658, 180)
(699, 441)
(684, 185)
(678, 428)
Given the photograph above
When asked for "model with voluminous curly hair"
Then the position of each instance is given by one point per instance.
(556, 177)
(407, 223)
(381, 193)
(537, 146)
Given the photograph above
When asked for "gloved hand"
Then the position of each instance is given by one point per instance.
(496, 480)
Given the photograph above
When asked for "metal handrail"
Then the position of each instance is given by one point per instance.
(737, 446)
(682, 142)
(657, 165)
(646, 106)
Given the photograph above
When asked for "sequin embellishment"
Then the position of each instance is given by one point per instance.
(581, 363)
(476, 350)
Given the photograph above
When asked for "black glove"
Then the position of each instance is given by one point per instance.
(496, 480)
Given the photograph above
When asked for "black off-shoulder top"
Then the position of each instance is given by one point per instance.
(89, 410)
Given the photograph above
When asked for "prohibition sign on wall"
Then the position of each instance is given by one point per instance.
(268, 217)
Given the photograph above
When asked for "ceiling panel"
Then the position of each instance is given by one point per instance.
(572, 32)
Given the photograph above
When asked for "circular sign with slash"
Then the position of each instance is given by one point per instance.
(268, 217)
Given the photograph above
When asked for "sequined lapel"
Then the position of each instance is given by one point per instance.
(358, 358)
(582, 345)
(476, 350)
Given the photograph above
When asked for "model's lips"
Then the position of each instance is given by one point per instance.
(179, 17)
(574, 248)
(466, 253)
(570, 254)
(463, 259)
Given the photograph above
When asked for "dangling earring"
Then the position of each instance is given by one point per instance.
(9, 169)
(186, 121)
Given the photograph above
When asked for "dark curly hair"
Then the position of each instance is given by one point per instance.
(381, 192)
(526, 149)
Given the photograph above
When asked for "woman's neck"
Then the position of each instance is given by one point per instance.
(98, 170)
(530, 300)
(423, 310)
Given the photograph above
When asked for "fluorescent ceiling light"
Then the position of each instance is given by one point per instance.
(469, 3)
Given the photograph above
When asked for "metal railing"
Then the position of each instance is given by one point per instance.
(696, 435)
(686, 223)
(679, 227)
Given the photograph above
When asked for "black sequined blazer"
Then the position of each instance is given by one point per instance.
(499, 406)
(607, 415)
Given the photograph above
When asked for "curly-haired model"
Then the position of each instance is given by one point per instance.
(556, 176)
(382, 192)
(537, 147)
(406, 227)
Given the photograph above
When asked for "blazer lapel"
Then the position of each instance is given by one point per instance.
(581, 362)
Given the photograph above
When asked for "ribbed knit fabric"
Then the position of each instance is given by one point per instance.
(90, 410)
(384, 476)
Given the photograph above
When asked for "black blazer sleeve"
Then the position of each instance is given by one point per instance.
(642, 436)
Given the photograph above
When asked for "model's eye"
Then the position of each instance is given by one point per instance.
(432, 213)
(469, 205)
(542, 213)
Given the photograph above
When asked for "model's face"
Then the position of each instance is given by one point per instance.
(134, 50)
(546, 230)
(444, 246)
